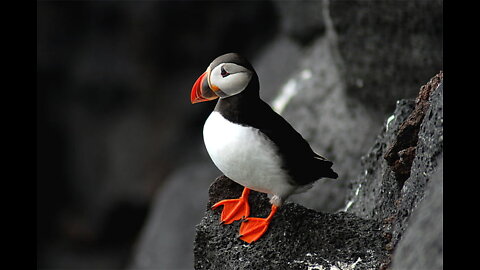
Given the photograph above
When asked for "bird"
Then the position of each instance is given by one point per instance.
(252, 144)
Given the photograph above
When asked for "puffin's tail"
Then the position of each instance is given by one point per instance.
(326, 167)
(331, 174)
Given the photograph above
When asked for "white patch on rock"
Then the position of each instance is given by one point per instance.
(389, 120)
(315, 267)
(345, 266)
(350, 202)
(337, 266)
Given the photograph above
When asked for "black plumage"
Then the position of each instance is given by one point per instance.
(247, 108)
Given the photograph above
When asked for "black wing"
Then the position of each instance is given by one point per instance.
(299, 160)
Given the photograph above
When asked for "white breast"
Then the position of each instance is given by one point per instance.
(245, 155)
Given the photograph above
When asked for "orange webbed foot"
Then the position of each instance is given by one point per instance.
(253, 228)
(234, 209)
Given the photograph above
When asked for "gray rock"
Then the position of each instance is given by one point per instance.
(375, 187)
(388, 47)
(298, 238)
(301, 20)
(428, 151)
(169, 231)
(349, 79)
(377, 194)
(421, 247)
(273, 71)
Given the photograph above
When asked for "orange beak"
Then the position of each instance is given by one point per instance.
(201, 90)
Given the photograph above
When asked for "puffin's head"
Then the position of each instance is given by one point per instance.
(226, 76)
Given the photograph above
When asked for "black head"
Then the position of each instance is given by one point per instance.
(227, 75)
(233, 58)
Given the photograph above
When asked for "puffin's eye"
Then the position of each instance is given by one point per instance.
(224, 72)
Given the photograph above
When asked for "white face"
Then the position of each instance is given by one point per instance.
(230, 78)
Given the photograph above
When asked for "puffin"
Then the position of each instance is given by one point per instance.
(252, 144)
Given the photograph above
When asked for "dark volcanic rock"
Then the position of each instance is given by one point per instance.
(389, 47)
(401, 152)
(298, 238)
(375, 190)
(301, 20)
(428, 153)
(174, 210)
(421, 246)
(378, 194)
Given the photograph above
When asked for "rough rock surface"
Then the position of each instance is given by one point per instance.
(388, 47)
(401, 152)
(298, 238)
(377, 194)
(422, 244)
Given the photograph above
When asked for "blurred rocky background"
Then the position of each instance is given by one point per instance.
(123, 175)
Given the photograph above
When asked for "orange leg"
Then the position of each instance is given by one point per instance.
(234, 209)
(253, 228)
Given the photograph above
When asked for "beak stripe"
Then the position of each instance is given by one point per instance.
(201, 91)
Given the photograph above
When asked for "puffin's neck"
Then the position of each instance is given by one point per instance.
(240, 106)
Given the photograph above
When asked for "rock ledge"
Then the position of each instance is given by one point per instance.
(298, 238)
